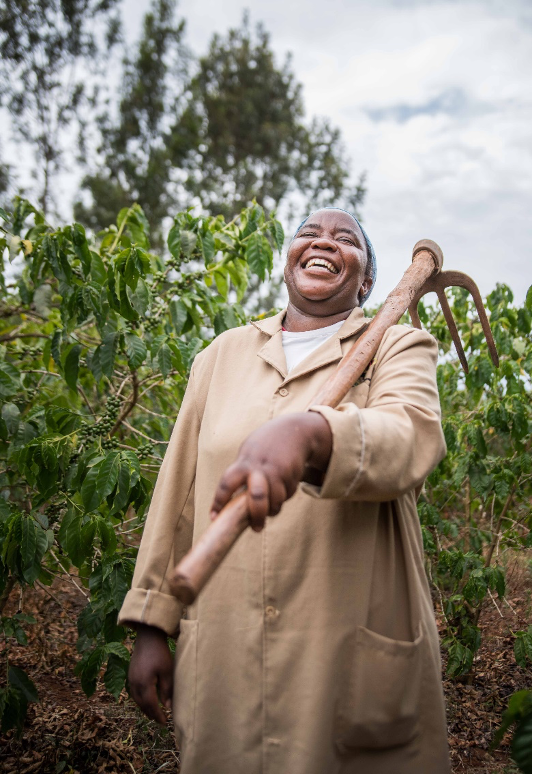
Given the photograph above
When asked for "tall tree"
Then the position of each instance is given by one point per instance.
(146, 142)
(47, 48)
(232, 132)
(255, 140)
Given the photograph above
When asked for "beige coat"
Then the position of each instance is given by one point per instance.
(313, 649)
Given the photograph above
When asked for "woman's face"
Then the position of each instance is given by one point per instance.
(326, 264)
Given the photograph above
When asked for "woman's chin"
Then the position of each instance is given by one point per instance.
(321, 291)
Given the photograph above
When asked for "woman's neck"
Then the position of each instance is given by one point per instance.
(297, 320)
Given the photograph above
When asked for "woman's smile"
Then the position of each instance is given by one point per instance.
(319, 264)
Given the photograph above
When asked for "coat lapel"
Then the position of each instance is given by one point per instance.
(272, 351)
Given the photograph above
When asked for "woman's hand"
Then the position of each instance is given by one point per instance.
(151, 672)
(272, 461)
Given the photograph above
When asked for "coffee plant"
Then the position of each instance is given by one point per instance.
(96, 342)
(97, 338)
(475, 508)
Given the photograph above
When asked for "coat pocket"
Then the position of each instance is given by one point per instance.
(379, 708)
(184, 697)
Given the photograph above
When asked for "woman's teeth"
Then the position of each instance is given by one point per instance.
(322, 262)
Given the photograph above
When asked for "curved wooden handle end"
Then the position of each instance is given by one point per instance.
(196, 568)
(431, 247)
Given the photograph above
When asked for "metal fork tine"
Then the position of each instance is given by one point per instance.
(451, 325)
(464, 281)
(413, 314)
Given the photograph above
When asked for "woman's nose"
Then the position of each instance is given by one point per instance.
(323, 243)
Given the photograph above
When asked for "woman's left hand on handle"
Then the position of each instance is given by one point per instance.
(272, 461)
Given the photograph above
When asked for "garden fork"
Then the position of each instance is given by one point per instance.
(437, 283)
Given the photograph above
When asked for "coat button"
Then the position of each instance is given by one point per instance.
(283, 392)
(271, 612)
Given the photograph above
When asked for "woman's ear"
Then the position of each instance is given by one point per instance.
(365, 287)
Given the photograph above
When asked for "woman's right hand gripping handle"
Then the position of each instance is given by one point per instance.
(151, 672)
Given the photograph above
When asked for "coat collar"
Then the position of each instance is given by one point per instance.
(272, 351)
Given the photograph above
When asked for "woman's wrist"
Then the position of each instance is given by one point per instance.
(148, 631)
(320, 441)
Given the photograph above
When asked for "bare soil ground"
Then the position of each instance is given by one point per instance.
(66, 732)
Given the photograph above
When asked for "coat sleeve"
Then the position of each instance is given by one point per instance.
(391, 445)
(167, 534)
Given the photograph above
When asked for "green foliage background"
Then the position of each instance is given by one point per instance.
(96, 342)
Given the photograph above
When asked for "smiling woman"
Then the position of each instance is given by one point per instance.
(314, 647)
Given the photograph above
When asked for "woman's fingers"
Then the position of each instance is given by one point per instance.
(258, 497)
(146, 698)
(233, 480)
(166, 687)
(278, 494)
(266, 492)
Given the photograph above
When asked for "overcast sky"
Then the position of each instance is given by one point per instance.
(433, 100)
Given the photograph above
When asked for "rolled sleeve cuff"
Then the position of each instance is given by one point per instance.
(347, 455)
(146, 606)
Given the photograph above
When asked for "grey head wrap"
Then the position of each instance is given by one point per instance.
(372, 268)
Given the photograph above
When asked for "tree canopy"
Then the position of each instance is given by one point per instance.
(47, 49)
(173, 131)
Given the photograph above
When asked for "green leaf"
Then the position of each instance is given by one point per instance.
(187, 242)
(107, 534)
(208, 246)
(140, 300)
(72, 365)
(115, 675)
(164, 358)
(81, 247)
(522, 647)
(90, 621)
(118, 585)
(225, 319)
(521, 744)
(89, 492)
(107, 475)
(119, 650)
(98, 270)
(173, 241)
(108, 350)
(259, 254)
(21, 681)
(135, 350)
(28, 546)
(9, 380)
(94, 363)
(70, 537)
(222, 283)
(56, 348)
(89, 668)
(255, 256)
(178, 313)
(11, 417)
(239, 275)
(14, 706)
(123, 489)
(276, 229)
